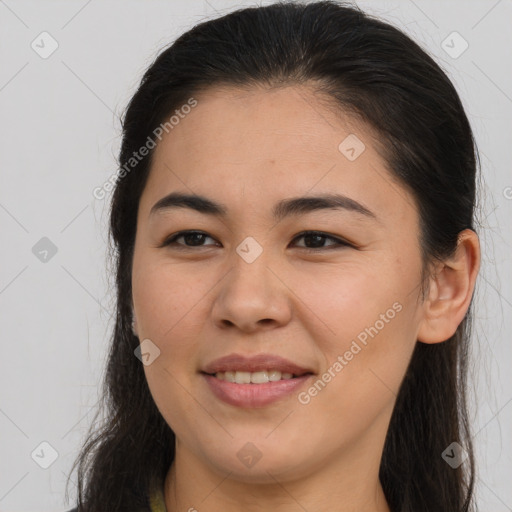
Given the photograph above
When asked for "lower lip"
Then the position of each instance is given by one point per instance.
(253, 395)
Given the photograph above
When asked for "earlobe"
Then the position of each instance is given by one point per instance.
(451, 288)
(134, 325)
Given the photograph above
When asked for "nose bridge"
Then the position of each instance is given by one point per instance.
(251, 292)
(250, 274)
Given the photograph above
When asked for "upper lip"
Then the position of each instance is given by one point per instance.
(257, 363)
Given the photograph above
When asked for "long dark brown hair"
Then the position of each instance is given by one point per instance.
(369, 69)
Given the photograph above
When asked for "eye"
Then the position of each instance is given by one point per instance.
(194, 238)
(314, 238)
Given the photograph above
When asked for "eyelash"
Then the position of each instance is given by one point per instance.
(339, 242)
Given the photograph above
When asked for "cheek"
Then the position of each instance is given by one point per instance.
(368, 320)
(168, 301)
(166, 297)
(360, 381)
(342, 300)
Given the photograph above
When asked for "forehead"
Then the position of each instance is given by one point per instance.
(270, 143)
(262, 123)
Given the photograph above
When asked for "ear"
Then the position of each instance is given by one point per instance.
(450, 291)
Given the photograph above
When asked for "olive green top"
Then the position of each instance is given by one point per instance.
(156, 500)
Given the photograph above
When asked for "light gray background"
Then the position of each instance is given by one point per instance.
(59, 137)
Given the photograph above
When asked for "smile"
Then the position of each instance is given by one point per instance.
(241, 377)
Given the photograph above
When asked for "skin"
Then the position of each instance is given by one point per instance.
(248, 149)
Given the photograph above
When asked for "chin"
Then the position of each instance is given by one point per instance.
(263, 465)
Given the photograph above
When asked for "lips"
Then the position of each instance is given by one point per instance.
(248, 394)
(257, 363)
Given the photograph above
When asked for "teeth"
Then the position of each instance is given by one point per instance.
(229, 376)
(274, 375)
(253, 377)
(259, 377)
(242, 377)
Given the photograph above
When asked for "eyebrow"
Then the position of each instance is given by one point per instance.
(284, 208)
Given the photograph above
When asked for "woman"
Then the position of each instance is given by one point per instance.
(295, 264)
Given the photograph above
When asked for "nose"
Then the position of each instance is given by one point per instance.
(252, 297)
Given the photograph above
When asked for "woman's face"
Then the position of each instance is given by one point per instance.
(343, 307)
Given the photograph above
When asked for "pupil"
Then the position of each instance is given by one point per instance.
(310, 236)
(189, 237)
